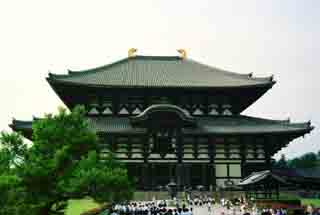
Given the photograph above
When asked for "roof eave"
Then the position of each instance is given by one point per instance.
(52, 80)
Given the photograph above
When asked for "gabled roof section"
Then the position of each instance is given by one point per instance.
(159, 71)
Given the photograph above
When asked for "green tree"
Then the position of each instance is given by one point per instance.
(307, 160)
(12, 151)
(62, 163)
(282, 163)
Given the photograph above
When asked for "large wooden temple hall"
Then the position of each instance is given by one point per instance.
(170, 118)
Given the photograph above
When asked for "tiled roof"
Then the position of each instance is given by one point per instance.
(257, 177)
(160, 71)
(240, 124)
(290, 175)
(205, 125)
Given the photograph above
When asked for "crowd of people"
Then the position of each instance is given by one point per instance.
(151, 208)
(236, 206)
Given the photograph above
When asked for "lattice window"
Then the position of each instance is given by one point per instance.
(221, 170)
(234, 170)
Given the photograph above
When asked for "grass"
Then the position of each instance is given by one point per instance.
(75, 207)
(304, 201)
(315, 202)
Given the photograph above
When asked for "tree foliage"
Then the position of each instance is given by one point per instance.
(307, 160)
(282, 163)
(62, 163)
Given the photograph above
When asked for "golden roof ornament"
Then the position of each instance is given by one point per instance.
(131, 52)
(183, 53)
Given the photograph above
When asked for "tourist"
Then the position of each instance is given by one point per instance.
(309, 210)
(113, 212)
(209, 206)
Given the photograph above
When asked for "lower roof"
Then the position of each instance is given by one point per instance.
(218, 125)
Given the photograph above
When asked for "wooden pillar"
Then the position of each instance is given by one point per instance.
(179, 146)
(145, 148)
(145, 176)
(145, 167)
(204, 175)
(211, 176)
(153, 175)
(255, 153)
(115, 104)
(242, 155)
(189, 175)
(195, 148)
(267, 151)
(179, 167)
(179, 174)
(211, 165)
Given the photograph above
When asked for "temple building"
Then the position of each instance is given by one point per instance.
(172, 118)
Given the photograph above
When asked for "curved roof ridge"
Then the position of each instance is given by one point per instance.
(247, 76)
(86, 71)
(284, 121)
(164, 106)
(98, 68)
(187, 119)
(107, 66)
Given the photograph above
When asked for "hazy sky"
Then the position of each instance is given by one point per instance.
(279, 37)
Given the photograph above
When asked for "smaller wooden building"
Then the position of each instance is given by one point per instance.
(268, 184)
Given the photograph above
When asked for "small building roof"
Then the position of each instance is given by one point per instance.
(259, 177)
(159, 71)
(291, 176)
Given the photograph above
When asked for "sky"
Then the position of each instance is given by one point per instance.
(264, 37)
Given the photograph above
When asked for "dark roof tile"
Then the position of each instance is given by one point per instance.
(156, 71)
(216, 125)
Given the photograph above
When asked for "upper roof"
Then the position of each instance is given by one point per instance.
(160, 71)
